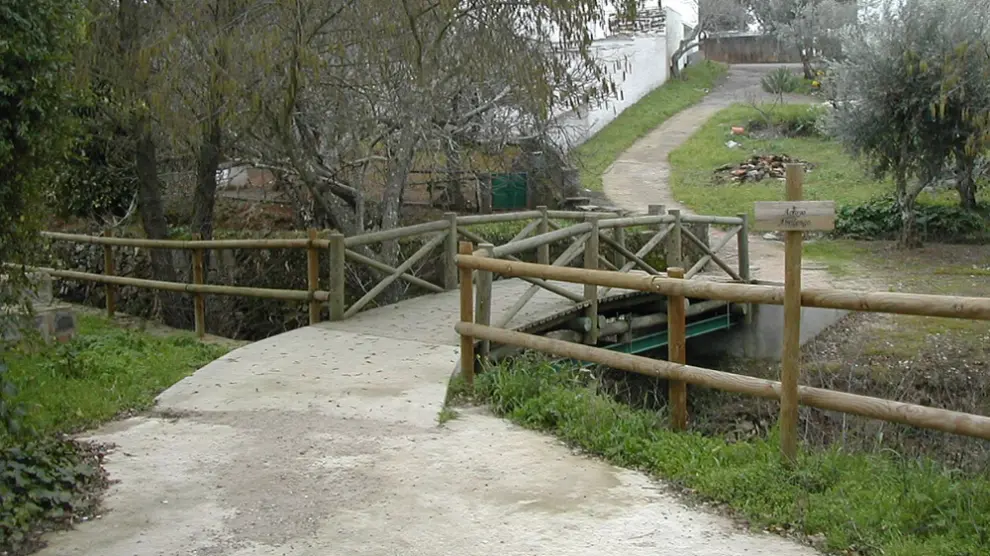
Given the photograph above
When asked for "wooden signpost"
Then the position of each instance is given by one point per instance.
(793, 217)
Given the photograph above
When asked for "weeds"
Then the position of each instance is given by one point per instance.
(103, 372)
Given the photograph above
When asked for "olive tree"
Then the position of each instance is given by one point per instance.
(902, 94)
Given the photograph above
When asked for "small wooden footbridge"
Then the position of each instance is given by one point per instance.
(626, 321)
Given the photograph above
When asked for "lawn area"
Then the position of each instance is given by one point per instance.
(835, 175)
(102, 373)
(600, 151)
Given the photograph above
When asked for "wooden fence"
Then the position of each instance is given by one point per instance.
(586, 232)
(678, 373)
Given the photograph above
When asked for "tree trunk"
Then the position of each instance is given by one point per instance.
(149, 195)
(965, 180)
(152, 211)
(400, 162)
(454, 191)
(906, 197)
(207, 165)
(807, 51)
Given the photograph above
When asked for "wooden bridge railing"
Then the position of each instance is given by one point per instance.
(542, 229)
(678, 373)
(594, 237)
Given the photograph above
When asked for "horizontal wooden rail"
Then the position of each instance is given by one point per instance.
(943, 420)
(270, 243)
(181, 287)
(396, 233)
(579, 215)
(474, 219)
(544, 239)
(975, 308)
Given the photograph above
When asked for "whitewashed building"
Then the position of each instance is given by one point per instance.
(637, 57)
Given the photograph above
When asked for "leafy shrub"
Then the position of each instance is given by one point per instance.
(43, 481)
(781, 81)
(880, 218)
(792, 120)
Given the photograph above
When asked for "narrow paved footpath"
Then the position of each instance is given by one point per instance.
(324, 441)
(641, 175)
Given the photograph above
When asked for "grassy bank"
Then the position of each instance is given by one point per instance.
(835, 175)
(601, 150)
(850, 503)
(104, 372)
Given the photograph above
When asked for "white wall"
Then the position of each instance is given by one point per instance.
(642, 67)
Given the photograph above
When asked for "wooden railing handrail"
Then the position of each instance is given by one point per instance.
(676, 288)
(944, 420)
(930, 305)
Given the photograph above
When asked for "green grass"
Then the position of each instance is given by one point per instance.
(835, 177)
(103, 372)
(601, 150)
(840, 256)
(864, 503)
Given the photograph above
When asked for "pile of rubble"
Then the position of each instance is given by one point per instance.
(758, 168)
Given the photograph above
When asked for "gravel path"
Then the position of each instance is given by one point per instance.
(640, 176)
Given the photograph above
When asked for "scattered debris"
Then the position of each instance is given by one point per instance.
(732, 144)
(758, 168)
(738, 130)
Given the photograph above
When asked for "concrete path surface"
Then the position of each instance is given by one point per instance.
(640, 176)
(324, 441)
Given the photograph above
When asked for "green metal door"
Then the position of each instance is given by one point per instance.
(509, 191)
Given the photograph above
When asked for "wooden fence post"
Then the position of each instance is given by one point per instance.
(790, 360)
(676, 353)
(483, 300)
(742, 239)
(591, 290)
(467, 316)
(109, 270)
(743, 245)
(313, 277)
(619, 236)
(543, 251)
(674, 244)
(450, 253)
(199, 300)
(338, 282)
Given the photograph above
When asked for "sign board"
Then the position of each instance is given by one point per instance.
(794, 216)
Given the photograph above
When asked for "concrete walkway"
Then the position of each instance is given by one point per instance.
(640, 176)
(323, 441)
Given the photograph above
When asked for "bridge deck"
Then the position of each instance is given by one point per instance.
(431, 318)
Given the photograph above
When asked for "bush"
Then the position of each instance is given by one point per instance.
(880, 218)
(795, 120)
(781, 81)
(43, 481)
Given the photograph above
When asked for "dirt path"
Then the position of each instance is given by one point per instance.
(640, 177)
